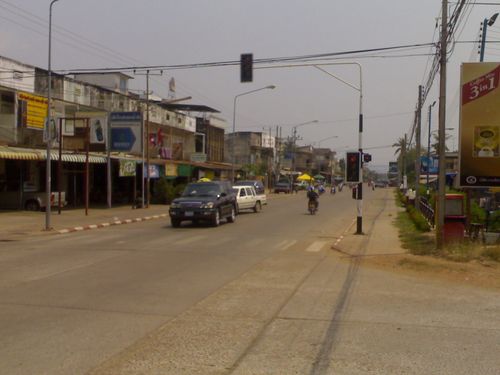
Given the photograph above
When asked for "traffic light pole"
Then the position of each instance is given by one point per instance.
(359, 218)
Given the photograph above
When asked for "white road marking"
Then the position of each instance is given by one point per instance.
(285, 244)
(316, 246)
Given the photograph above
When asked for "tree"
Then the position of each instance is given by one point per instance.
(400, 146)
(435, 143)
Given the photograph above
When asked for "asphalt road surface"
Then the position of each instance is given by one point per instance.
(264, 295)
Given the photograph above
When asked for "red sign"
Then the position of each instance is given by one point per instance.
(481, 86)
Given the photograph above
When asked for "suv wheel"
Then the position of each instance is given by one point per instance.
(230, 218)
(257, 207)
(216, 219)
(32, 205)
(176, 223)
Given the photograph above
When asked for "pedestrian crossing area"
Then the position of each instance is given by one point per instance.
(180, 241)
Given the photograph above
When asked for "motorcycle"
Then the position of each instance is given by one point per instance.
(312, 206)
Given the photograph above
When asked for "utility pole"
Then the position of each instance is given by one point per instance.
(403, 173)
(146, 195)
(442, 126)
(418, 146)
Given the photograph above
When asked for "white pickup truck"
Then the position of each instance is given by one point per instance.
(31, 201)
(247, 198)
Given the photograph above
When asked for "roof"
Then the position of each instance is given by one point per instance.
(188, 107)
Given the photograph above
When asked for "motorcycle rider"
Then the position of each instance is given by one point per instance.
(313, 196)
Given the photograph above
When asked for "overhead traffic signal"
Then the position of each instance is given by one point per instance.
(246, 67)
(352, 167)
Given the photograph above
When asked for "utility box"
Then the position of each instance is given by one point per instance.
(454, 218)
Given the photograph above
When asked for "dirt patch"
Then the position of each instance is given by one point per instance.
(479, 273)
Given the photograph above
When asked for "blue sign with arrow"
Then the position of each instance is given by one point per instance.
(122, 139)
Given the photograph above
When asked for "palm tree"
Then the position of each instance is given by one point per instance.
(400, 145)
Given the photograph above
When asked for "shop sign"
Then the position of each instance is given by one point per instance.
(127, 168)
(170, 170)
(154, 171)
(36, 110)
(198, 157)
(480, 125)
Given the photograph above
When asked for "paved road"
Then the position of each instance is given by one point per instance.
(265, 295)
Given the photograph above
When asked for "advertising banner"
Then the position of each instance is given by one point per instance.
(154, 171)
(35, 108)
(127, 168)
(480, 125)
(126, 132)
(430, 165)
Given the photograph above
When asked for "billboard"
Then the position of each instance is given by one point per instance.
(126, 131)
(34, 109)
(480, 125)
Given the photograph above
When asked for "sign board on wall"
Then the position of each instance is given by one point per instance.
(35, 108)
(126, 131)
(480, 125)
(127, 168)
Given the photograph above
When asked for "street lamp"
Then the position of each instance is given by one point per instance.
(486, 23)
(324, 139)
(48, 125)
(271, 87)
(359, 219)
(294, 139)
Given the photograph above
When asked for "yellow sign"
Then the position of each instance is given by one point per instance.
(36, 110)
(480, 125)
(170, 170)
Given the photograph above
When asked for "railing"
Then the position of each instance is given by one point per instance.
(427, 211)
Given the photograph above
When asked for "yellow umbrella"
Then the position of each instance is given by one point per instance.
(204, 179)
(304, 177)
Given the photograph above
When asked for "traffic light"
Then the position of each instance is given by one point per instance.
(246, 67)
(367, 158)
(352, 167)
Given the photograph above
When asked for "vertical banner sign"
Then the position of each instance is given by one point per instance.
(480, 125)
(35, 110)
(126, 132)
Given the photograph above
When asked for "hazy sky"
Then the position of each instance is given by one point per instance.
(124, 33)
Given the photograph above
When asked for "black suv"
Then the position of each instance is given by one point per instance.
(204, 201)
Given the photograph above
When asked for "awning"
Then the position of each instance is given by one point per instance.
(18, 153)
(15, 153)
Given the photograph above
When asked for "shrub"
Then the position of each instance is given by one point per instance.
(418, 219)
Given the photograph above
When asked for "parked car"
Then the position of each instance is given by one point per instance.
(30, 201)
(247, 198)
(282, 187)
(204, 201)
(258, 186)
(301, 185)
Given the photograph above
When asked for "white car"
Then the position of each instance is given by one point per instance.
(247, 198)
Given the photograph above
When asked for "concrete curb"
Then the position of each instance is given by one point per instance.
(108, 224)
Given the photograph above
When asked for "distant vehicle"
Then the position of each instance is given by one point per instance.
(204, 201)
(381, 184)
(247, 198)
(30, 201)
(258, 186)
(282, 187)
(301, 185)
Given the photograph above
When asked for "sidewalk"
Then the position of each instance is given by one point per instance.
(14, 224)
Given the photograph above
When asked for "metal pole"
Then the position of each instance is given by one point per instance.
(148, 180)
(59, 169)
(87, 177)
(233, 140)
(49, 135)
(429, 146)
(483, 40)
(109, 186)
(359, 218)
(442, 125)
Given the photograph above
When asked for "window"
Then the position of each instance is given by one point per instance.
(242, 193)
